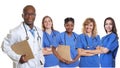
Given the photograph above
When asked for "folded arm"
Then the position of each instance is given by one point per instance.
(47, 51)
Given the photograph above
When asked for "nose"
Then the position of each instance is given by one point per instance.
(30, 16)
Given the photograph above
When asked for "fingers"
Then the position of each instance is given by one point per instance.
(66, 61)
(69, 62)
(62, 60)
(22, 59)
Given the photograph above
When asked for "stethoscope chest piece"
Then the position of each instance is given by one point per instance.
(88, 46)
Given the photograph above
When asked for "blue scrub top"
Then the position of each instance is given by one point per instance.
(50, 60)
(109, 41)
(64, 39)
(88, 43)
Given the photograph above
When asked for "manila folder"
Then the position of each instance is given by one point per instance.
(64, 52)
(23, 48)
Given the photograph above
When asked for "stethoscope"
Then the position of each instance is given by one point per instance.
(70, 41)
(87, 44)
(27, 37)
(38, 38)
(65, 37)
(54, 35)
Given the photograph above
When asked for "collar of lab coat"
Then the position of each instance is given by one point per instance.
(28, 28)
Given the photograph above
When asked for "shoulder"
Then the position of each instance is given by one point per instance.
(56, 32)
(38, 29)
(62, 33)
(75, 34)
(17, 29)
(113, 34)
(82, 35)
(97, 36)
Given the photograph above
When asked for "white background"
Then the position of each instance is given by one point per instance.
(11, 10)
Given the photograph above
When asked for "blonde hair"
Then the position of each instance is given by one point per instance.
(88, 21)
(43, 27)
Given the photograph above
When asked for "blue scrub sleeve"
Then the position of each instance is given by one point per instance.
(79, 43)
(56, 40)
(112, 43)
(115, 52)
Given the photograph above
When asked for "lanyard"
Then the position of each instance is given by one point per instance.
(52, 36)
(65, 37)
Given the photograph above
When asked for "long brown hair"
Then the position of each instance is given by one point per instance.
(114, 30)
(88, 21)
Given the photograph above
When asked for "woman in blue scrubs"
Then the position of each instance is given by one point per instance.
(109, 43)
(88, 45)
(48, 35)
(67, 38)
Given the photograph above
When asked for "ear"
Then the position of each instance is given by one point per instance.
(64, 25)
(22, 15)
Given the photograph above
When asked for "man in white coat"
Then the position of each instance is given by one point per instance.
(23, 32)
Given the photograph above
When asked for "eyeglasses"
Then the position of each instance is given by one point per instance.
(29, 14)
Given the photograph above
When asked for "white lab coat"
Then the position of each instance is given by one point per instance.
(18, 34)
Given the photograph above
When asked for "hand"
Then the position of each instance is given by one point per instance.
(63, 60)
(69, 62)
(22, 59)
(98, 47)
(48, 49)
(105, 50)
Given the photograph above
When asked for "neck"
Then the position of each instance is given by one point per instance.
(69, 33)
(89, 34)
(109, 32)
(48, 31)
(31, 26)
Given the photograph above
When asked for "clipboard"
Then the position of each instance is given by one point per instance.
(22, 48)
(64, 52)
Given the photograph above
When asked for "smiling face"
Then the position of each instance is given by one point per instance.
(69, 26)
(47, 23)
(89, 27)
(29, 15)
(108, 26)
